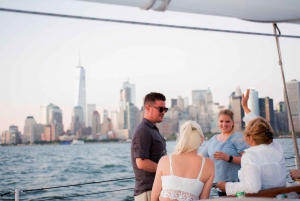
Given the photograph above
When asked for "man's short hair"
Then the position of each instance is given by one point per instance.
(152, 97)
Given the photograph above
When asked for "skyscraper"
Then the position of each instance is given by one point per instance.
(281, 118)
(293, 91)
(28, 129)
(80, 90)
(131, 97)
(45, 109)
(90, 110)
(266, 110)
(96, 128)
(253, 102)
(77, 119)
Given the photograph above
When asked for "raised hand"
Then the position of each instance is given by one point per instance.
(245, 98)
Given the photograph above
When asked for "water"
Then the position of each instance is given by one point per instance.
(36, 167)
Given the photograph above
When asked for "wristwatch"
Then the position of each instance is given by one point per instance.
(230, 159)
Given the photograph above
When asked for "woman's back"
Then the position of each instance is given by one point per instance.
(184, 176)
(271, 163)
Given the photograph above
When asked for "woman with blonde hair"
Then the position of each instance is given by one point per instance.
(226, 149)
(184, 175)
(263, 164)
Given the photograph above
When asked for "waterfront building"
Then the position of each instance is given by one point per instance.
(77, 119)
(214, 124)
(45, 113)
(114, 116)
(122, 134)
(50, 132)
(96, 127)
(36, 132)
(106, 126)
(80, 89)
(180, 103)
(55, 115)
(198, 95)
(28, 129)
(90, 109)
(238, 112)
(281, 118)
(235, 100)
(253, 102)
(15, 134)
(133, 118)
(130, 92)
(266, 110)
(203, 101)
(186, 102)
(166, 127)
(293, 91)
(6, 138)
(173, 102)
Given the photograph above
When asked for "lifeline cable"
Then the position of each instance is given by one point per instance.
(80, 184)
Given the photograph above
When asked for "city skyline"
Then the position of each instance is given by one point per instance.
(37, 60)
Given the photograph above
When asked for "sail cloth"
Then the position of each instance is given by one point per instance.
(266, 11)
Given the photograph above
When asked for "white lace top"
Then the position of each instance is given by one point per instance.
(180, 188)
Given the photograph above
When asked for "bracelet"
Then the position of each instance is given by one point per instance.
(230, 159)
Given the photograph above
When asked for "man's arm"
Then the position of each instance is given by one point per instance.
(146, 164)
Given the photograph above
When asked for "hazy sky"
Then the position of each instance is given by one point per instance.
(38, 55)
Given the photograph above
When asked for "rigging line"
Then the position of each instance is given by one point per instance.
(80, 184)
(91, 193)
(142, 23)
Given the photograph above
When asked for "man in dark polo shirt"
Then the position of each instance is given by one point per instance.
(148, 146)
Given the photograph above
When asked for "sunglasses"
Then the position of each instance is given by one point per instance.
(160, 109)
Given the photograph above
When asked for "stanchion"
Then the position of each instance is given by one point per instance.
(16, 195)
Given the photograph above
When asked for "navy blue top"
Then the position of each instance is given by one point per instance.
(234, 145)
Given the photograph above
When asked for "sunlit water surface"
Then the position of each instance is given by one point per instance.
(36, 167)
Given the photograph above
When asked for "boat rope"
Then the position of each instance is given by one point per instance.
(80, 184)
(142, 23)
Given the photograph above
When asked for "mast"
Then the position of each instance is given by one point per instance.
(297, 158)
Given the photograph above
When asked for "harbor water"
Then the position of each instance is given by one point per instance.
(103, 165)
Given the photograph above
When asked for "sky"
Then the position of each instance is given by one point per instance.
(38, 55)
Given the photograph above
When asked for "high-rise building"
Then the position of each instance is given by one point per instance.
(235, 100)
(77, 119)
(253, 102)
(293, 91)
(55, 115)
(173, 102)
(238, 112)
(28, 129)
(45, 110)
(186, 102)
(114, 120)
(90, 110)
(80, 90)
(6, 137)
(133, 118)
(15, 134)
(130, 94)
(281, 118)
(96, 127)
(266, 110)
(180, 103)
(198, 95)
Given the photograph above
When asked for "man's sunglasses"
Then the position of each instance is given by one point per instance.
(160, 109)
